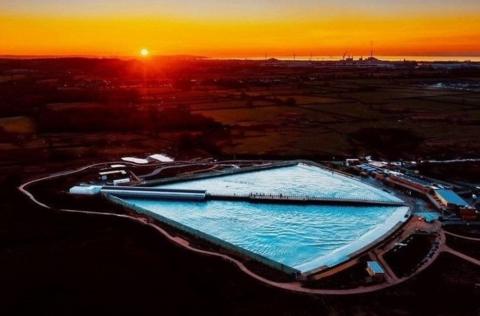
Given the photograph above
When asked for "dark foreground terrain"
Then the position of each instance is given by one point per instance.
(68, 264)
(60, 114)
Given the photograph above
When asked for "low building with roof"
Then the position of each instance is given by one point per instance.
(375, 270)
(450, 199)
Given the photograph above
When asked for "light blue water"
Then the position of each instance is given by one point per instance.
(304, 237)
(300, 179)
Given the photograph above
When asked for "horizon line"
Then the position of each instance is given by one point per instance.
(413, 57)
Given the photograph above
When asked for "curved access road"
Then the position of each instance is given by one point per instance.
(289, 286)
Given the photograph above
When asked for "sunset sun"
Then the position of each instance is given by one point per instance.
(144, 52)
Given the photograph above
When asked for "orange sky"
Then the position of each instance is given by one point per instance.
(328, 33)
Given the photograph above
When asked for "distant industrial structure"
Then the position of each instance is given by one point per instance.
(346, 62)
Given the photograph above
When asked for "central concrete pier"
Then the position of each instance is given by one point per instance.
(299, 199)
(202, 195)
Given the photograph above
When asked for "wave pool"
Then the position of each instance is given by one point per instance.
(295, 238)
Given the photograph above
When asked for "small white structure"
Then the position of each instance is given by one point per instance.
(85, 189)
(117, 166)
(110, 172)
(121, 181)
(161, 157)
(352, 162)
(378, 164)
(139, 161)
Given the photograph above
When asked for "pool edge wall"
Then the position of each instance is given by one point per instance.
(209, 238)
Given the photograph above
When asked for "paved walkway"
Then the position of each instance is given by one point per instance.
(461, 255)
(461, 236)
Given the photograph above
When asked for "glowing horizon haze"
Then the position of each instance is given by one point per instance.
(248, 28)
